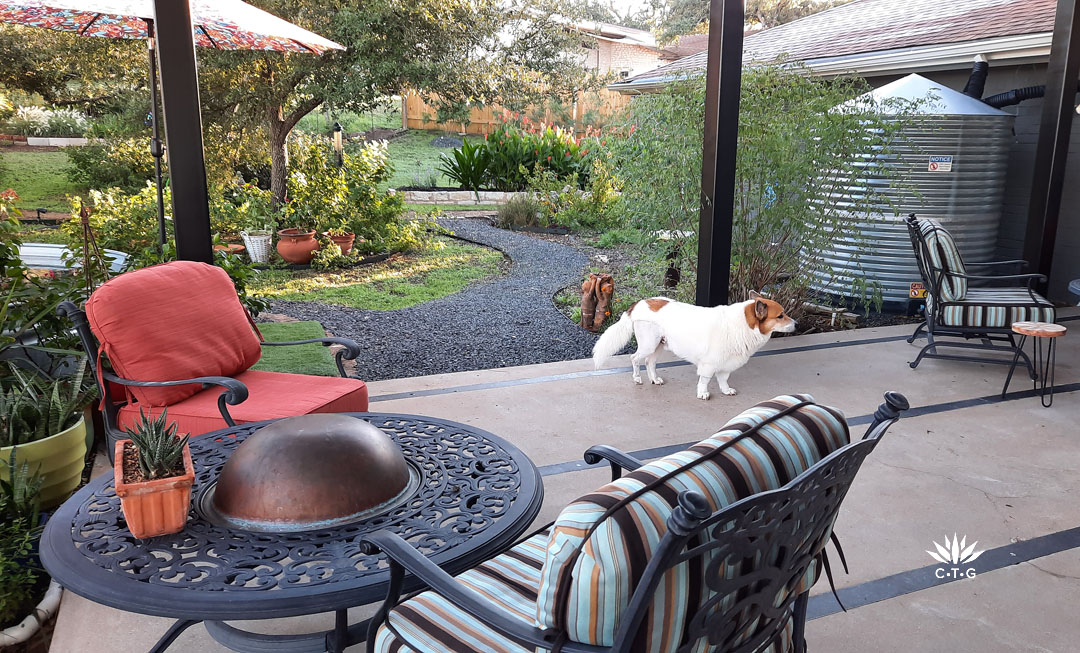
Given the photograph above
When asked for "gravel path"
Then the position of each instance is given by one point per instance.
(503, 322)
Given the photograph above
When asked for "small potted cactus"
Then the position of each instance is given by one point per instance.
(153, 475)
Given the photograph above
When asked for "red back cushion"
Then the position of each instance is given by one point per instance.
(172, 321)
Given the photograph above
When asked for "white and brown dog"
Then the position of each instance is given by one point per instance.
(716, 340)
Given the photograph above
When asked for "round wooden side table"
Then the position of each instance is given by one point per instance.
(1040, 332)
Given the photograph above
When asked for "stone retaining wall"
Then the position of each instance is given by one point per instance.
(456, 197)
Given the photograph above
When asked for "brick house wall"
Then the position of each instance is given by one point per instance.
(622, 58)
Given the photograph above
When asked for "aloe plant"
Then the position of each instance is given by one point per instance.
(161, 450)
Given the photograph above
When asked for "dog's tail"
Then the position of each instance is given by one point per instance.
(614, 339)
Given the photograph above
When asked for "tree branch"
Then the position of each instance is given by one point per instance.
(304, 109)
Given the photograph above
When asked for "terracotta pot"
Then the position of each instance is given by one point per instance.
(344, 241)
(156, 507)
(231, 248)
(297, 247)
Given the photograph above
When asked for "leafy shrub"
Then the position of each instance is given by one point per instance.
(325, 197)
(119, 162)
(18, 579)
(562, 202)
(241, 207)
(521, 211)
(793, 155)
(40, 121)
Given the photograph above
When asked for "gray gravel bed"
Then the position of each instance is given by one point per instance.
(506, 321)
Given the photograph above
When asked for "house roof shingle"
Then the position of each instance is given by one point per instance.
(876, 25)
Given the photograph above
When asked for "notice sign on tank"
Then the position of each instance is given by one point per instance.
(940, 164)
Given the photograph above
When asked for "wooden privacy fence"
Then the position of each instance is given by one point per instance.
(592, 108)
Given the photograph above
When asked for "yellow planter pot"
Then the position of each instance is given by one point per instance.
(60, 458)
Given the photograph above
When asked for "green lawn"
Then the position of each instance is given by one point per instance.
(299, 359)
(38, 178)
(415, 159)
(388, 116)
(405, 280)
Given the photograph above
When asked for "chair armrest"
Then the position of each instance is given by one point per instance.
(404, 557)
(618, 459)
(350, 352)
(235, 391)
(1002, 277)
(987, 264)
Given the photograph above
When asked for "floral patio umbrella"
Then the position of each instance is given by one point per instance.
(220, 24)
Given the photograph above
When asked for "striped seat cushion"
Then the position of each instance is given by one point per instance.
(996, 308)
(428, 623)
(941, 248)
(604, 576)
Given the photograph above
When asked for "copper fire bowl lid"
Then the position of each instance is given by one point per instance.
(309, 472)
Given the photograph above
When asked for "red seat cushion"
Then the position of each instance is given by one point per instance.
(172, 321)
(270, 395)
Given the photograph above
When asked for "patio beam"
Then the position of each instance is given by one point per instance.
(1052, 149)
(723, 82)
(183, 129)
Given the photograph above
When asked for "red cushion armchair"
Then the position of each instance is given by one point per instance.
(177, 337)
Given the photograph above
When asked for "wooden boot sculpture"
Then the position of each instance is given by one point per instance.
(605, 290)
(588, 302)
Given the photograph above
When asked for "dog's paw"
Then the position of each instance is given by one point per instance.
(703, 394)
(657, 381)
(729, 391)
(637, 380)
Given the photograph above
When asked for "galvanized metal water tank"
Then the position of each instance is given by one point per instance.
(950, 163)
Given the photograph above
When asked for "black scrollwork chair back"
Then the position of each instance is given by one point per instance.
(754, 554)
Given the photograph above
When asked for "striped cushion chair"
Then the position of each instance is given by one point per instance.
(956, 309)
(619, 571)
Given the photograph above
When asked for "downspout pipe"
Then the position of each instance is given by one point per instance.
(977, 80)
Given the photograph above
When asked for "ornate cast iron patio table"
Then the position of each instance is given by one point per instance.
(475, 495)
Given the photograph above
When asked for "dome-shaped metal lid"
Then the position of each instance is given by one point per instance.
(931, 97)
(307, 472)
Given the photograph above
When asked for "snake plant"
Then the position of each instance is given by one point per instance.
(33, 408)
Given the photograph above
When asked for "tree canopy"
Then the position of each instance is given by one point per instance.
(677, 17)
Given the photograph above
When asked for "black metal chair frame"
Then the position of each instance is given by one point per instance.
(985, 337)
(791, 524)
(234, 392)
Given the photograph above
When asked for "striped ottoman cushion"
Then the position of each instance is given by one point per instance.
(944, 256)
(996, 308)
(605, 575)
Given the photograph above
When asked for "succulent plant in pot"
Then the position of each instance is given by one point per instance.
(153, 475)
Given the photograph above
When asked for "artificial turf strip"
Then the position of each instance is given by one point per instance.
(314, 359)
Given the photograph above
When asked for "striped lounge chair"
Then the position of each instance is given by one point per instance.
(714, 548)
(979, 317)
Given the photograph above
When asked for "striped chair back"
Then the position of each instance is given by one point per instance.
(939, 259)
(588, 594)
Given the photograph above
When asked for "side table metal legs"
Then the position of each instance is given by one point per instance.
(1044, 368)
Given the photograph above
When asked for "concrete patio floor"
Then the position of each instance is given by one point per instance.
(961, 461)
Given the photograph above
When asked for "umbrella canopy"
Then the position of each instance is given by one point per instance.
(221, 24)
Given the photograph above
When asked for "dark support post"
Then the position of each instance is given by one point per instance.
(183, 129)
(723, 81)
(1052, 151)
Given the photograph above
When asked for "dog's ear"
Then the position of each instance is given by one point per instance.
(754, 295)
(761, 310)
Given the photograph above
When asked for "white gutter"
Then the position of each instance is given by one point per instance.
(1013, 50)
